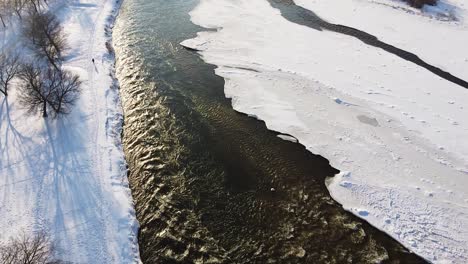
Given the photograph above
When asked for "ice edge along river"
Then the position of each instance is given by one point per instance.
(397, 132)
(68, 176)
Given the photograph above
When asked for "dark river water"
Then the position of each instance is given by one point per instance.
(201, 173)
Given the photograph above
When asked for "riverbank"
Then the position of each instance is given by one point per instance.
(395, 130)
(67, 177)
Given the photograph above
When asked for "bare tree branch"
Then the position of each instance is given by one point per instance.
(66, 93)
(46, 37)
(51, 88)
(34, 90)
(9, 68)
(24, 249)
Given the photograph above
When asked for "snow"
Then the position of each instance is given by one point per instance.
(68, 176)
(439, 42)
(397, 132)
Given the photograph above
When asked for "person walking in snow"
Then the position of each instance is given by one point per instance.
(92, 60)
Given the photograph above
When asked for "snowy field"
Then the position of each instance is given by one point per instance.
(398, 133)
(68, 176)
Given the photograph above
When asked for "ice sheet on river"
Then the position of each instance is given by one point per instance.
(398, 133)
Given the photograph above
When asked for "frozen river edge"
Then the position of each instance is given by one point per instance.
(398, 179)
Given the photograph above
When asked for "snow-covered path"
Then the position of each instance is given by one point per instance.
(68, 176)
(396, 131)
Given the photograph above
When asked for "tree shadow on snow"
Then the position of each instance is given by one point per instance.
(54, 162)
(16, 151)
(70, 194)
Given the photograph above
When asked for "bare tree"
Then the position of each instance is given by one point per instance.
(18, 6)
(66, 93)
(36, 5)
(36, 249)
(46, 37)
(9, 68)
(48, 89)
(5, 11)
(10, 7)
(35, 90)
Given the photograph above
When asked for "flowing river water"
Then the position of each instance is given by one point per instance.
(201, 173)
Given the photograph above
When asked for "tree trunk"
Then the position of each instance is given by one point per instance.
(59, 52)
(35, 6)
(44, 109)
(50, 59)
(3, 22)
(5, 90)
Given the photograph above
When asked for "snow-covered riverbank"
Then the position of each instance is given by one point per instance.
(68, 176)
(397, 132)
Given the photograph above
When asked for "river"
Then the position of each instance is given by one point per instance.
(212, 185)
